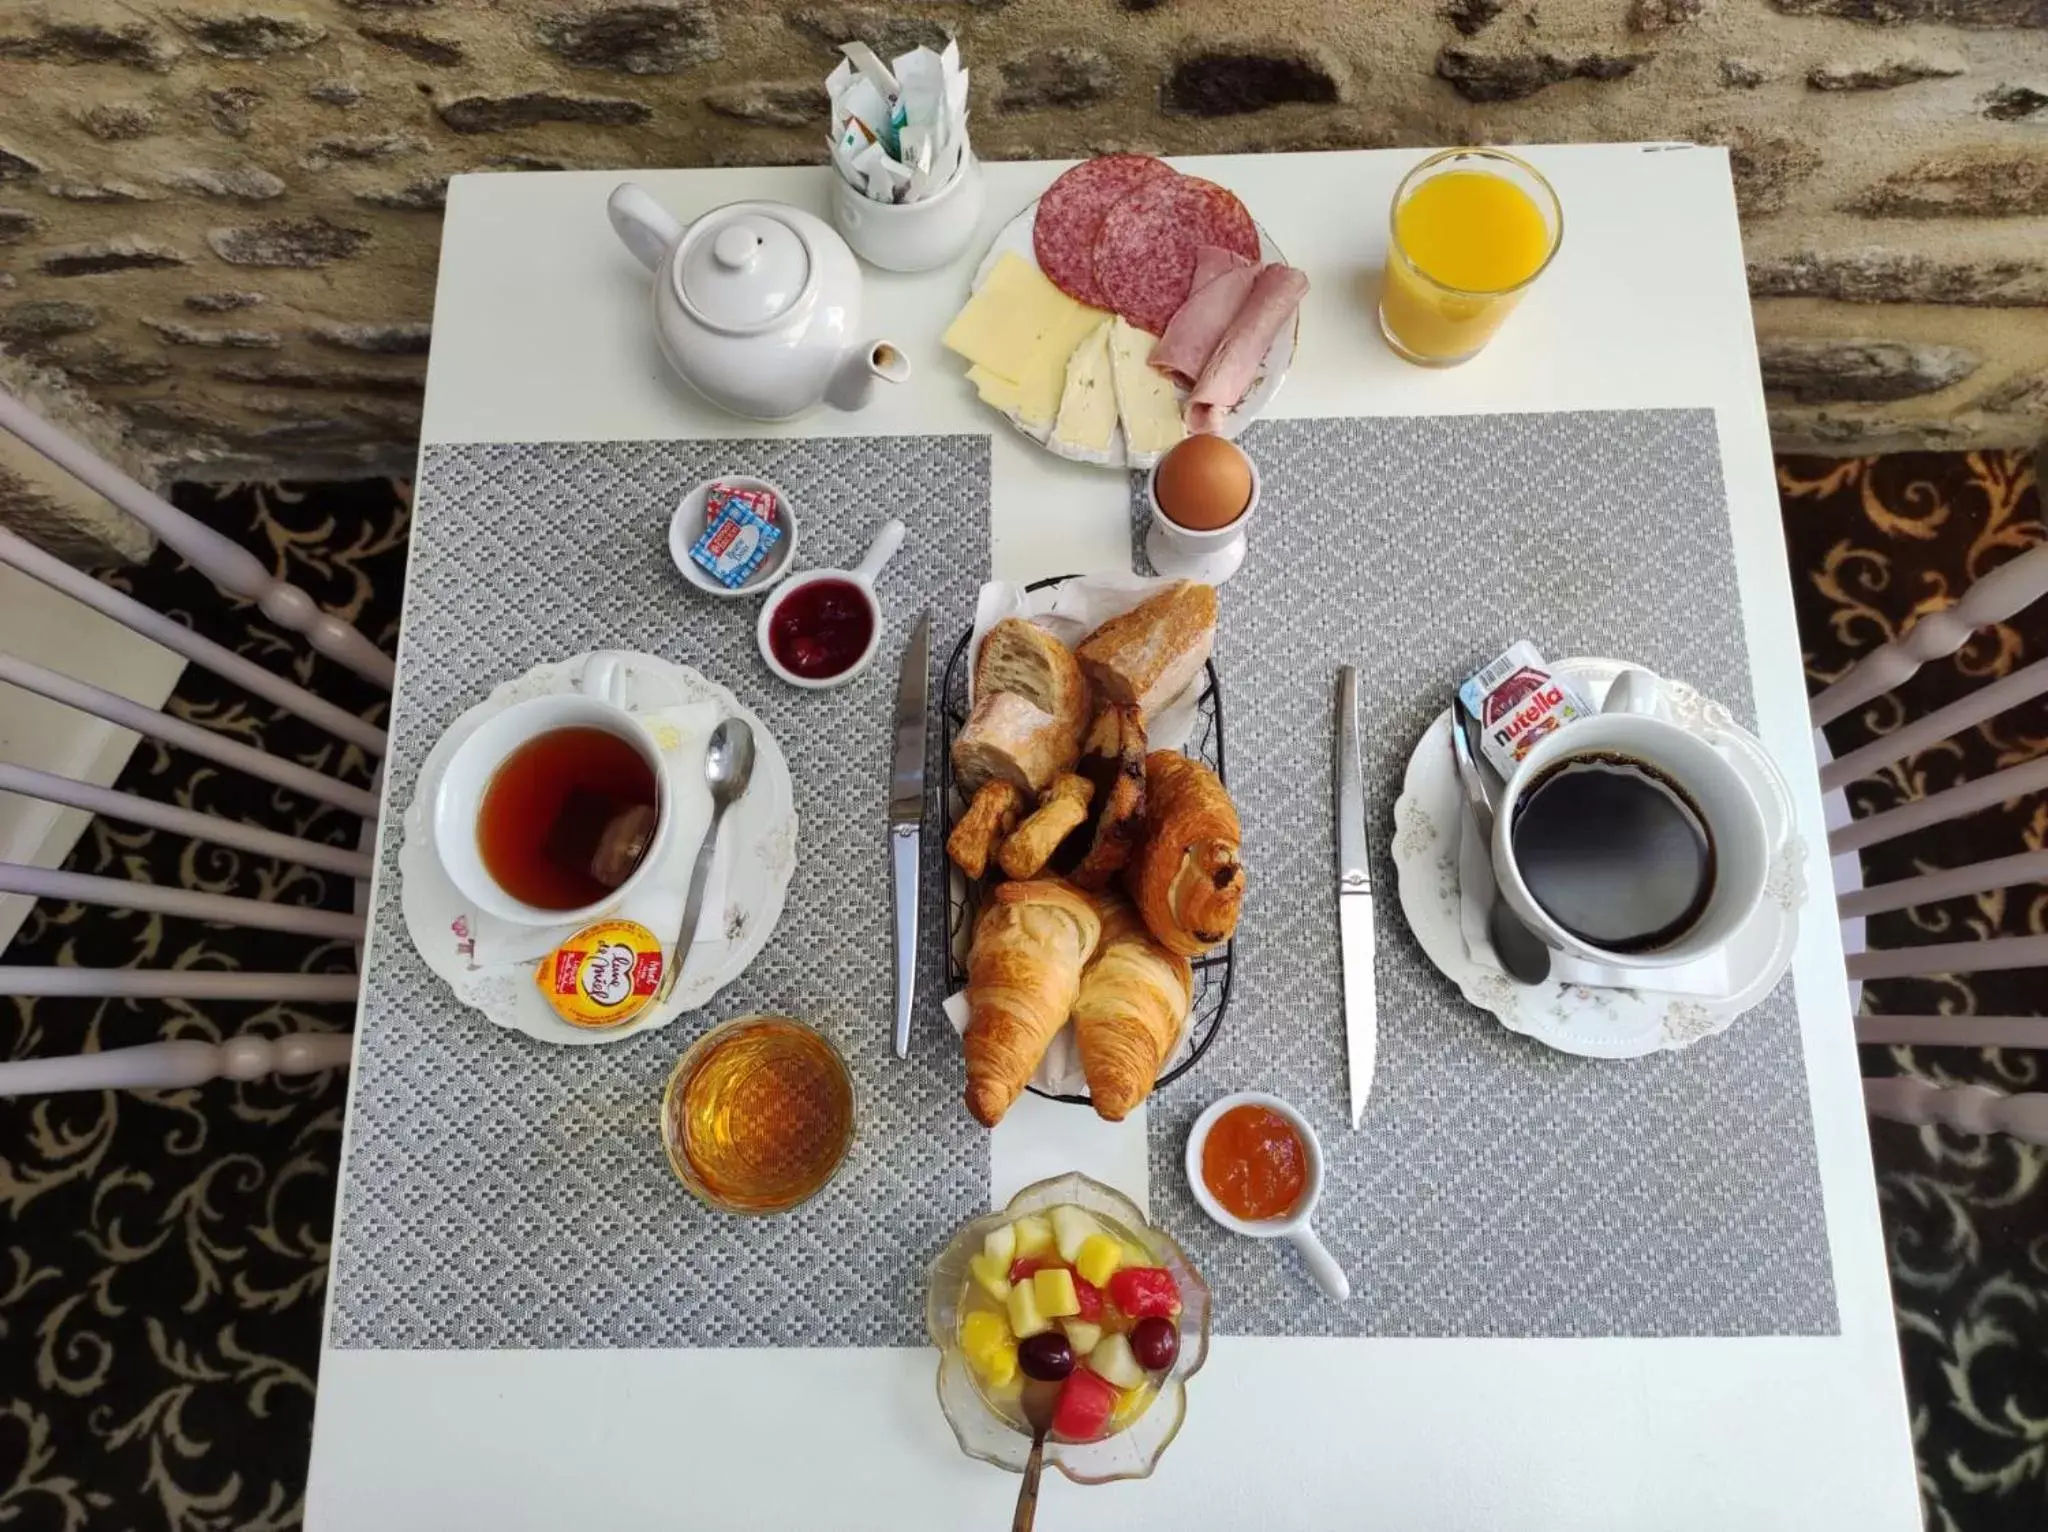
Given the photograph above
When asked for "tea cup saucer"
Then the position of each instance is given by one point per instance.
(485, 962)
(1596, 1020)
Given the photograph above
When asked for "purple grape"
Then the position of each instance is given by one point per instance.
(1048, 1357)
(1155, 1343)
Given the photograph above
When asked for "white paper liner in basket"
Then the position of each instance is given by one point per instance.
(1070, 611)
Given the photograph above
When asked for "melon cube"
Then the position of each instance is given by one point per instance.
(1025, 1319)
(1000, 1244)
(1034, 1235)
(1081, 1335)
(992, 1276)
(1070, 1230)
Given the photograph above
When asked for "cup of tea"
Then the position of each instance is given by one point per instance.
(1629, 841)
(556, 809)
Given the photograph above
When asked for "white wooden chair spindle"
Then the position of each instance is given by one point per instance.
(222, 560)
(187, 1062)
(1999, 595)
(1967, 1108)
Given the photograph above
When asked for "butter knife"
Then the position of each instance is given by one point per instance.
(1354, 899)
(906, 817)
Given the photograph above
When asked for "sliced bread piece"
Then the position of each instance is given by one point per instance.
(1021, 657)
(1149, 655)
(1008, 739)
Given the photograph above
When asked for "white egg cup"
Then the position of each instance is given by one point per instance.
(1294, 1228)
(862, 577)
(687, 525)
(1181, 553)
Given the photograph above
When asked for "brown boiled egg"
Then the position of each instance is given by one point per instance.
(1204, 484)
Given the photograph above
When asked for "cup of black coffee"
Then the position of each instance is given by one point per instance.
(1628, 840)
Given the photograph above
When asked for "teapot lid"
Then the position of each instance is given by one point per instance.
(744, 270)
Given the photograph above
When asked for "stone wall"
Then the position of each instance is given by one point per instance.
(220, 217)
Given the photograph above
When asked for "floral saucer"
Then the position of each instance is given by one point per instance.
(760, 843)
(1595, 1022)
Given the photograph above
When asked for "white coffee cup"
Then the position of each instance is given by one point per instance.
(1701, 765)
(1294, 1227)
(459, 796)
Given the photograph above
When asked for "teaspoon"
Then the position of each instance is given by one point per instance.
(728, 765)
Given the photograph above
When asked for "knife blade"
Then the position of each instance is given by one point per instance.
(906, 817)
(1354, 899)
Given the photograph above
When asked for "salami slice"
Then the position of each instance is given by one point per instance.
(1145, 254)
(1070, 215)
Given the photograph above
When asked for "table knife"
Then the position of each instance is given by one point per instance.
(906, 817)
(1354, 899)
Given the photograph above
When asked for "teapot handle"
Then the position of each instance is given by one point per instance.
(646, 227)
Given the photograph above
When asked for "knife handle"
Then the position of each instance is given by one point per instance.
(904, 842)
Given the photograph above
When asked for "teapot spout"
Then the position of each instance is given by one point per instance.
(854, 383)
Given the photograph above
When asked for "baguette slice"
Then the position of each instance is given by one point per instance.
(1021, 657)
(1149, 655)
(1007, 739)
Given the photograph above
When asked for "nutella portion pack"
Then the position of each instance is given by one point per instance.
(1517, 700)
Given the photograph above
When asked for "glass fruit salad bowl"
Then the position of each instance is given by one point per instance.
(1069, 1285)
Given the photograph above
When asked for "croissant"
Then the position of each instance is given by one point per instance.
(1133, 1004)
(1186, 879)
(1023, 973)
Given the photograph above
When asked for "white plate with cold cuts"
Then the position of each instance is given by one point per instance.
(1596, 1021)
(471, 951)
(1016, 238)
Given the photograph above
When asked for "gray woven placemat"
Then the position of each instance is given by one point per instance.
(506, 1193)
(1496, 1188)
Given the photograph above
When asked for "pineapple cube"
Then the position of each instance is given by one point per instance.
(1082, 1334)
(1054, 1288)
(981, 1333)
(1000, 1244)
(1070, 1230)
(993, 1277)
(1000, 1366)
(1034, 1235)
(986, 1343)
(1025, 1319)
(1099, 1258)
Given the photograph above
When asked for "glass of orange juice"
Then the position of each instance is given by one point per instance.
(1472, 228)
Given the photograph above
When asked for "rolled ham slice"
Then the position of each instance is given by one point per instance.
(1223, 280)
(1275, 294)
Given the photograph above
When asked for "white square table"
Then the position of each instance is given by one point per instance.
(542, 333)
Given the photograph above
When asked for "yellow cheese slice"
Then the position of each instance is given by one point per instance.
(1020, 329)
(1087, 418)
(1145, 400)
(997, 391)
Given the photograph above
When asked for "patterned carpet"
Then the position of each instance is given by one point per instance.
(162, 1279)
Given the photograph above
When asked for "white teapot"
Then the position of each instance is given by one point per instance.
(757, 306)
